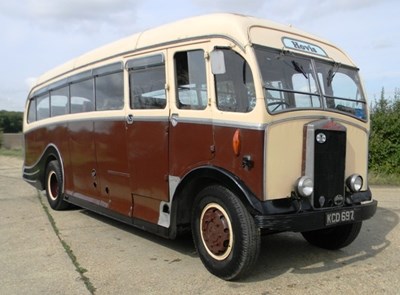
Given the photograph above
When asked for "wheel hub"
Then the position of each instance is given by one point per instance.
(53, 186)
(215, 230)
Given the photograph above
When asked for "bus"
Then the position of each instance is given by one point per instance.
(223, 125)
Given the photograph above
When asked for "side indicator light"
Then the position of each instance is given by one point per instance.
(236, 142)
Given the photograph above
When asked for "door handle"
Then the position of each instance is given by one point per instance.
(174, 119)
(129, 119)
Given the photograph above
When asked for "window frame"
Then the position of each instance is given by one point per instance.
(202, 100)
(145, 65)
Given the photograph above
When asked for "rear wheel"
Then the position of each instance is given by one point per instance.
(333, 238)
(224, 233)
(54, 186)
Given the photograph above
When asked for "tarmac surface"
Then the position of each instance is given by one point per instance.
(78, 252)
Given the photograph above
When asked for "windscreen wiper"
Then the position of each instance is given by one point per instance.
(331, 73)
(299, 68)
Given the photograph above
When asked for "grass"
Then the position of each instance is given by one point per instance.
(68, 249)
(383, 179)
(18, 153)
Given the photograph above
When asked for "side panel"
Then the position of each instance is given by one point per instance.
(147, 144)
(83, 161)
(357, 152)
(251, 148)
(284, 151)
(33, 148)
(112, 165)
(191, 145)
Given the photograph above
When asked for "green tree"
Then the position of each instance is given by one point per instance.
(11, 122)
(385, 135)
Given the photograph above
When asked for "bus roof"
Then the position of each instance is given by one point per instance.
(241, 29)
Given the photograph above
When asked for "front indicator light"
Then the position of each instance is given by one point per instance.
(354, 182)
(305, 186)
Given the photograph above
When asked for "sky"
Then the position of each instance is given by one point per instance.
(38, 35)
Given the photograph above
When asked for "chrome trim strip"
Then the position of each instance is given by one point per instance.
(309, 153)
(31, 173)
(65, 119)
(221, 123)
(238, 124)
(164, 218)
(265, 163)
(150, 118)
(29, 180)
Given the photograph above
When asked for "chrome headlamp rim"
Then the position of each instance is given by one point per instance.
(355, 182)
(304, 186)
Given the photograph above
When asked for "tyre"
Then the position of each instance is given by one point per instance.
(54, 186)
(333, 238)
(224, 233)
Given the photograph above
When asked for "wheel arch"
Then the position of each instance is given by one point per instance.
(194, 181)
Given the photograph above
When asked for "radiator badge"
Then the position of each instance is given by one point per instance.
(321, 201)
(321, 138)
(338, 200)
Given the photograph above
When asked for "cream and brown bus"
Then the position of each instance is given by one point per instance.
(226, 125)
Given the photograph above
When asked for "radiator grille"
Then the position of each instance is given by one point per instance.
(329, 167)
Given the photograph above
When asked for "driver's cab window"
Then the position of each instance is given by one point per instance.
(235, 90)
(191, 80)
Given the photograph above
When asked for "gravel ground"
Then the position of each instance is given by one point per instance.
(79, 252)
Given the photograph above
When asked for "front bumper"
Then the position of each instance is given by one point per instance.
(311, 220)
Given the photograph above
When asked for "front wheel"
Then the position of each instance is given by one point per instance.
(224, 233)
(333, 238)
(54, 186)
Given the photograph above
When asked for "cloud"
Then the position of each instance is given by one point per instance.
(30, 81)
(238, 6)
(72, 15)
(78, 9)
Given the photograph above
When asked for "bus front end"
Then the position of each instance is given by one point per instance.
(316, 144)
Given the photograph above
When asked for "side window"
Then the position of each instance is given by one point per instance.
(148, 88)
(110, 92)
(190, 71)
(59, 101)
(235, 88)
(82, 96)
(32, 111)
(43, 107)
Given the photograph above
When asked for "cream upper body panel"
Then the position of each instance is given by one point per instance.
(242, 30)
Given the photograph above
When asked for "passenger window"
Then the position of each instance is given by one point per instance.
(147, 84)
(110, 92)
(235, 88)
(82, 96)
(32, 111)
(59, 101)
(43, 107)
(190, 74)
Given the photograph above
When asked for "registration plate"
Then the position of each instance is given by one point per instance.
(332, 218)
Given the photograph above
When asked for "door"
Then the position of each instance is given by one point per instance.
(81, 142)
(110, 144)
(147, 135)
(191, 132)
